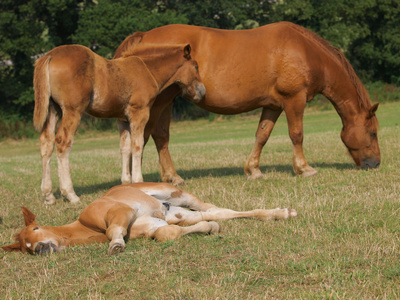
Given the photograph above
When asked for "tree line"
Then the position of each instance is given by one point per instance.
(367, 31)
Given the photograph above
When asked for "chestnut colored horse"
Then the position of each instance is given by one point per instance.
(72, 80)
(155, 210)
(279, 67)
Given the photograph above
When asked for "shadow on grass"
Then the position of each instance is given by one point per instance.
(215, 172)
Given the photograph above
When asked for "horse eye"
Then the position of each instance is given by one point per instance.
(373, 134)
(36, 228)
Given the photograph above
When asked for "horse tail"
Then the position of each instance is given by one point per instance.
(41, 84)
(129, 44)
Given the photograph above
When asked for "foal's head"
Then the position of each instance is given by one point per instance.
(361, 140)
(34, 239)
(188, 78)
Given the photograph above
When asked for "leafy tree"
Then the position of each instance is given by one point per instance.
(29, 28)
(103, 26)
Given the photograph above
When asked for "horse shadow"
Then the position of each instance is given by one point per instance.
(214, 172)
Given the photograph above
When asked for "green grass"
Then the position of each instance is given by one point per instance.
(344, 244)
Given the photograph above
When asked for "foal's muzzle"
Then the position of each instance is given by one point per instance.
(45, 248)
(200, 92)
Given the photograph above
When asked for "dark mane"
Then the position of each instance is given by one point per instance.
(133, 39)
(363, 96)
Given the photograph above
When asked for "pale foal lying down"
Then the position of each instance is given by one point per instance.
(156, 210)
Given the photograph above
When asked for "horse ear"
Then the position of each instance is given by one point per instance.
(372, 110)
(13, 247)
(29, 217)
(187, 51)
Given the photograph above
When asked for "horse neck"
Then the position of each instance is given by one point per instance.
(345, 91)
(164, 76)
(76, 233)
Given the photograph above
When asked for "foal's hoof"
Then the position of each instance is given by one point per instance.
(72, 197)
(215, 227)
(49, 199)
(116, 249)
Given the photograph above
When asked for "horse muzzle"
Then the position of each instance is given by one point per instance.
(370, 164)
(45, 248)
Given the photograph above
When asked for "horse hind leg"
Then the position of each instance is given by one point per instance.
(47, 139)
(64, 139)
(267, 121)
(119, 220)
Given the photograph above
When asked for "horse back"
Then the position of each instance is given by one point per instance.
(250, 68)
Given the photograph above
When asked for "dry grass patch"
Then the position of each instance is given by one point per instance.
(344, 243)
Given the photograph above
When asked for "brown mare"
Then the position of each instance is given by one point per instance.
(154, 210)
(72, 80)
(279, 67)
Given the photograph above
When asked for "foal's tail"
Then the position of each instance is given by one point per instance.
(41, 85)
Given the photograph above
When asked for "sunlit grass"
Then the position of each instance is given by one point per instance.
(344, 243)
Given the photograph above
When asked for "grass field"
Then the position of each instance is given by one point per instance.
(344, 244)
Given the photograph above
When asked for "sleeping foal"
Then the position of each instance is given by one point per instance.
(156, 210)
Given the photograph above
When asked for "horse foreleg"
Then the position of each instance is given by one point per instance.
(119, 220)
(160, 136)
(64, 140)
(138, 121)
(126, 151)
(47, 138)
(265, 126)
(294, 110)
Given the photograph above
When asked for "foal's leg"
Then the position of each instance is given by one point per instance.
(64, 139)
(173, 195)
(173, 232)
(46, 139)
(119, 220)
(138, 120)
(126, 151)
(294, 114)
(181, 216)
(265, 126)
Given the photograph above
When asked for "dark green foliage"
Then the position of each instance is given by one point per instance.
(366, 31)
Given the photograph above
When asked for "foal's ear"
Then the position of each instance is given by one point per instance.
(187, 51)
(13, 247)
(29, 217)
(372, 110)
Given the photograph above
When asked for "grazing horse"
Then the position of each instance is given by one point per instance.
(279, 67)
(72, 80)
(154, 210)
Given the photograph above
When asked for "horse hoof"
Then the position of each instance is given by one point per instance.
(73, 198)
(116, 249)
(49, 199)
(255, 175)
(308, 172)
(292, 213)
(177, 180)
(215, 227)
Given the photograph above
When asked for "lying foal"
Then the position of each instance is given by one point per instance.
(155, 210)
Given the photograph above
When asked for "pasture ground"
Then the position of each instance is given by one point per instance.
(344, 244)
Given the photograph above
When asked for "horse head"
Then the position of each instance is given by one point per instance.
(33, 238)
(188, 78)
(361, 140)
